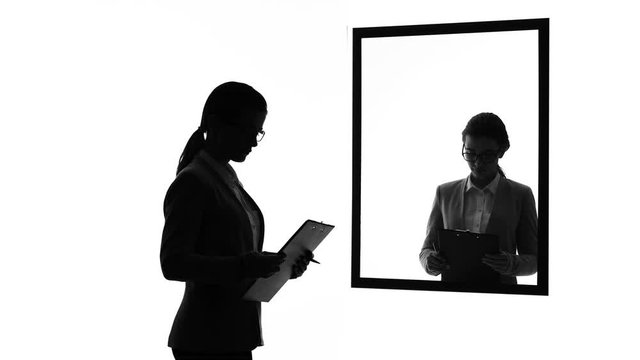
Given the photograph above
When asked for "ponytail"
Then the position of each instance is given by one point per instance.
(194, 145)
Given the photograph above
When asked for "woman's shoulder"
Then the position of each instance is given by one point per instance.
(193, 178)
(451, 185)
(517, 187)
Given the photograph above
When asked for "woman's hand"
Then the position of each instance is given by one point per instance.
(262, 265)
(436, 264)
(301, 264)
(502, 263)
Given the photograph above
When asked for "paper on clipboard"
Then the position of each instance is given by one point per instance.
(308, 237)
(464, 251)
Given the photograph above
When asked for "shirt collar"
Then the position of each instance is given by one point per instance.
(491, 187)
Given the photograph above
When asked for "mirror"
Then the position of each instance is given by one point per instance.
(414, 90)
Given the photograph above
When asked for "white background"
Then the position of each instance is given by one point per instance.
(418, 92)
(99, 98)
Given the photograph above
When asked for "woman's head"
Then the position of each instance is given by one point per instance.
(232, 120)
(229, 103)
(485, 140)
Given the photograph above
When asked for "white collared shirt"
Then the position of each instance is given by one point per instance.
(478, 204)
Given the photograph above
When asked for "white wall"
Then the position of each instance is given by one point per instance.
(98, 99)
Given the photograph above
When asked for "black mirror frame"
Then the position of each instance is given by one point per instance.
(542, 26)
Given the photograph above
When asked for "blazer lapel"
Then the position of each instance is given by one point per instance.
(500, 207)
(217, 169)
(458, 205)
(261, 220)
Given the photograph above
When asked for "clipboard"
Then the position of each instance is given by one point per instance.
(307, 237)
(464, 251)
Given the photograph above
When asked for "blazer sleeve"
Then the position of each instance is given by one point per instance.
(183, 211)
(435, 222)
(526, 263)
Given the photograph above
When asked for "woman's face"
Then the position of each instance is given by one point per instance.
(486, 153)
(235, 141)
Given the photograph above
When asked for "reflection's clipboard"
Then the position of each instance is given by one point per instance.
(308, 237)
(464, 251)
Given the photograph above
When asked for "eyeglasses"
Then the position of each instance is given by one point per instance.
(259, 135)
(486, 156)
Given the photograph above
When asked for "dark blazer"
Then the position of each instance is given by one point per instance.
(513, 219)
(205, 233)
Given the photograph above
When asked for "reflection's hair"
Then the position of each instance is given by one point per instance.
(225, 104)
(488, 125)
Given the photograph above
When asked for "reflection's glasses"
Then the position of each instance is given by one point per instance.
(487, 156)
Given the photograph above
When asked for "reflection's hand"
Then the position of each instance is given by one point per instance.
(436, 263)
(502, 263)
(301, 264)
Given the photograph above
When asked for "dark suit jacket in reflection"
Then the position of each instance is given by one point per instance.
(206, 229)
(513, 219)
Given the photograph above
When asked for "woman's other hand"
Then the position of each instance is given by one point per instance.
(300, 266)
(436, 264)
(263, 264)
(502, 263)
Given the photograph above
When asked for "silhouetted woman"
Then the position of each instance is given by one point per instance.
(486, 202)
(213, 232)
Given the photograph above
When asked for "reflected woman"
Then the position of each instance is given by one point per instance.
(486, 202)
